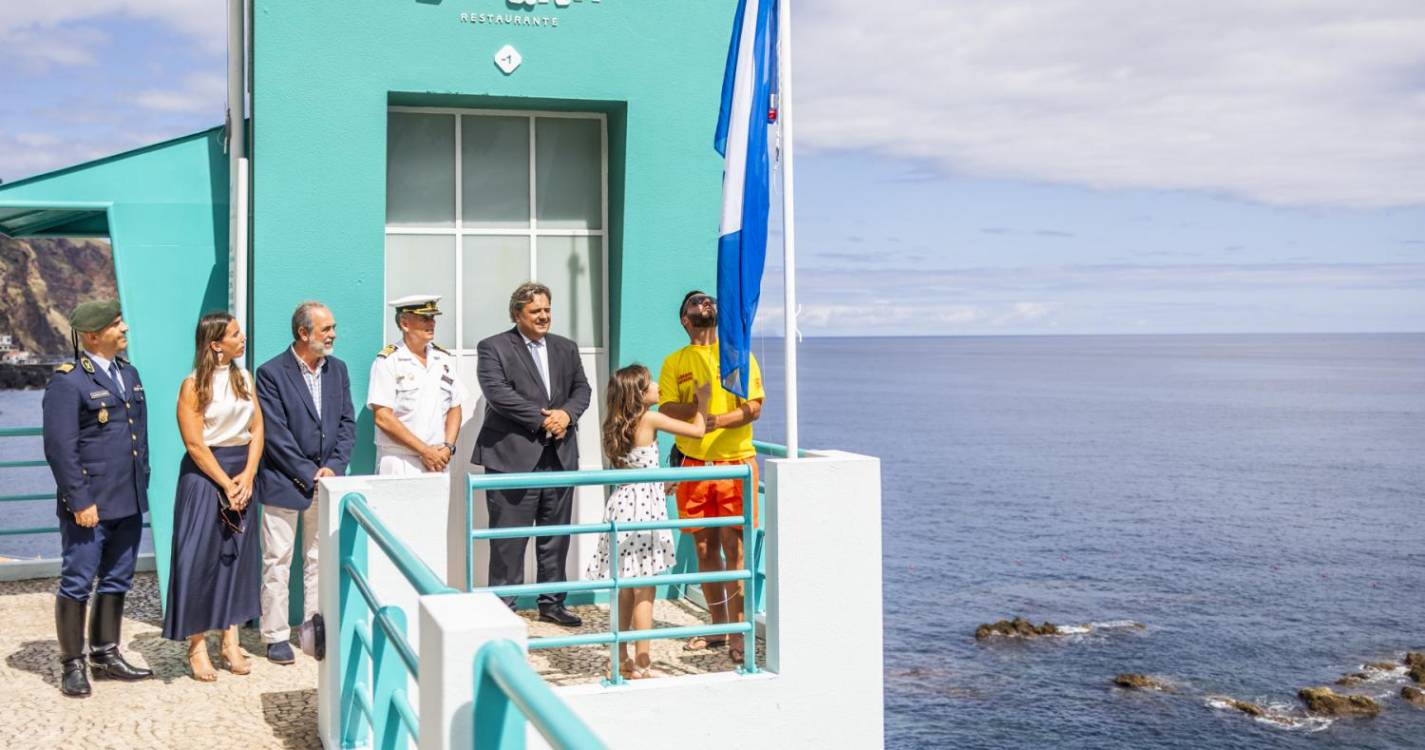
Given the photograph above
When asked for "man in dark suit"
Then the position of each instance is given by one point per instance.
(309, 429)
(535, 391)
(96, 443)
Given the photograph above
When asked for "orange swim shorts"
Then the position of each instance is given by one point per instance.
(715, 497)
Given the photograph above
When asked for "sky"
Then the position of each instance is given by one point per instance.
(976, 167)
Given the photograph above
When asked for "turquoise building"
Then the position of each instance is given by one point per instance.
(457, 147)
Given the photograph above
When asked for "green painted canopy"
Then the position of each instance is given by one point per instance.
(53, 222)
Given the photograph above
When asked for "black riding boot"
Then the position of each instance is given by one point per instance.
(69, 627)
(104, 654)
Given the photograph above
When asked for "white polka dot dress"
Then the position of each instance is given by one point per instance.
(641, 553)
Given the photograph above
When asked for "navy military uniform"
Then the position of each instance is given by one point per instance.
(96, 444)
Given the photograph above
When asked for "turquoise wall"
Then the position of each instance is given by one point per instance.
(324, 73)
(167, 208)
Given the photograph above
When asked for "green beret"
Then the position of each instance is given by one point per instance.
(94, 315)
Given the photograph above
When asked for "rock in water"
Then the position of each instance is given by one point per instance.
(1322, 700)
(1415, 659)
(1382, 666)
(1251, 709)
(1413, 695)
(1016, 627)
(1141, 682)
(1354, 678)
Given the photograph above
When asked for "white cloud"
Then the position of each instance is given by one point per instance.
(203, 20)
(33, 50)
(1314, 102)
(199, 93)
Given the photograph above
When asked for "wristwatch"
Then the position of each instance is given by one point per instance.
(450, 447)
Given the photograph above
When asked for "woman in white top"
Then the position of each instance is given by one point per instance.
(215, 574)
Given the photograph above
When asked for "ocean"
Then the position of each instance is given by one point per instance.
(1253, 501)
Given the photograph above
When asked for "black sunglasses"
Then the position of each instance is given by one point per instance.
(697, 300)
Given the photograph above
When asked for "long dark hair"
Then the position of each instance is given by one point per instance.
(624, 408)
(211, 329)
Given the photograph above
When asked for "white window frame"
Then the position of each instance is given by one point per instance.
(532, 233)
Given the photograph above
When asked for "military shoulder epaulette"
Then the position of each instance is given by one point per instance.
(66, 367)
(386, 351)
(440, 349)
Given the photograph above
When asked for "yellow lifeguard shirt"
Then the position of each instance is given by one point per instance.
(683, 373)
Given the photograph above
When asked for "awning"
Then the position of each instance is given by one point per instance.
(36, 221)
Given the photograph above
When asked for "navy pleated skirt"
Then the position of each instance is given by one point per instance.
(216, 571)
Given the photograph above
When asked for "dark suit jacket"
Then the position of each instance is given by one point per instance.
(512, 438)
(297, 443)
(96, 442)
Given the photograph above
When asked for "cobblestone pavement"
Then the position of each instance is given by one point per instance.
(273, 707)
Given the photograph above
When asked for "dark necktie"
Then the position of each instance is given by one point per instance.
(114, 375)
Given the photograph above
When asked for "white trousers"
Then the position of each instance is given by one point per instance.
(279, 533)
(398, 464)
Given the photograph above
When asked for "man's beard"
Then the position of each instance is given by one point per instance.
(699, 320)
(320, 347)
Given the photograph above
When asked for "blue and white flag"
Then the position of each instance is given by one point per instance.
(743, 126)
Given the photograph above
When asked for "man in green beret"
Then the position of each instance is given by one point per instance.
(96, 444)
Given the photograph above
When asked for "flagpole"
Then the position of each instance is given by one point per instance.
(789, 225)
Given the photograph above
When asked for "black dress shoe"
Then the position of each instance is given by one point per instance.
(104, 656)
(110, 665)
(75, 682)
(69, 627)
(558, 615)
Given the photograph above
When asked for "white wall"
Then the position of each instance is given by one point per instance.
(823, 683)
(823, 686)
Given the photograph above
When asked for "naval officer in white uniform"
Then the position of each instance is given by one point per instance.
(415, 394)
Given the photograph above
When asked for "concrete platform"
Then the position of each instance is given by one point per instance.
(273, 707)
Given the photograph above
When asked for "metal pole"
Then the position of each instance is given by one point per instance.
(237, 163)
(789, 234)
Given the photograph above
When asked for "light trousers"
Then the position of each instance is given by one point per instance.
(279, 534)
(391, 463)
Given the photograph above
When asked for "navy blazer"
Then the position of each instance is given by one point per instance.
(512, 437)
(297, 444)
(96, 439)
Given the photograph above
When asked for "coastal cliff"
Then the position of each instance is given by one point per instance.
(41, 280)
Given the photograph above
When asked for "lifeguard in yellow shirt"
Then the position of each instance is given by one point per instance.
(728, 441)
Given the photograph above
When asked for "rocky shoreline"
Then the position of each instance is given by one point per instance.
(1318, 703)
(25, 377)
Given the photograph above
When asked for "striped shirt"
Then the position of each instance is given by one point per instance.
(313, 378)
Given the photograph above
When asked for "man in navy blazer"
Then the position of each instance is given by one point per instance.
(309, 426)
(535, 391)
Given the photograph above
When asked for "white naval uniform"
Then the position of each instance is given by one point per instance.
(420, 396)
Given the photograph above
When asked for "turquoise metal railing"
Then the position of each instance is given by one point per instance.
(380, 704)
(15, 432)
(507, 692)
(613, 637)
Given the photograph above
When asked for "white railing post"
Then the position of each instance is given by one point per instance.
(453, 628)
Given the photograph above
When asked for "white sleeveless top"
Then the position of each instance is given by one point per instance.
(228, 419)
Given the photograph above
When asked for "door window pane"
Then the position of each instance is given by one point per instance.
(569, 173)
(494, 171)
(491, 269)
(421, 264)
(420, 170)
(573, 269)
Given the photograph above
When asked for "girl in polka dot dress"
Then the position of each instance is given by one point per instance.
(629, 440)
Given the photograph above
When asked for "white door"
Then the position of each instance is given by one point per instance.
(478, 202)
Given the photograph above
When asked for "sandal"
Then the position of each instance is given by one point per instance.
(232, 657)
(700, 643)
(202, 669)
(736, 652)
